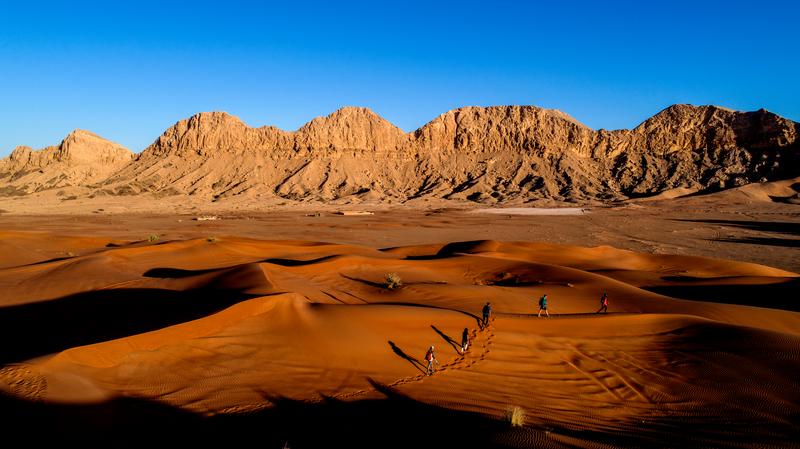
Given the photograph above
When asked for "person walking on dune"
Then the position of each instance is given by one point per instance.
(430, 357)
(487, 312)
(464, 340)
(603, 303)
(543, 306)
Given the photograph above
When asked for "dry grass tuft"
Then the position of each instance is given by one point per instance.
(393, 281)
(515, 416)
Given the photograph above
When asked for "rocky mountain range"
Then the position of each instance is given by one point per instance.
(481, 154)
(82, 158)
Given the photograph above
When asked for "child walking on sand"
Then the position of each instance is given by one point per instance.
(464, 340)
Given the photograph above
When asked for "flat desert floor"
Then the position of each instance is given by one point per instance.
(278, 329)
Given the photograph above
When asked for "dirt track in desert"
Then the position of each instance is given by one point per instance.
(265, 325)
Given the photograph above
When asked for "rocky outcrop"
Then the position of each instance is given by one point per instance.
(82, 158)
(492, 154)
(219, 132)
(351, 128)
(704, 147)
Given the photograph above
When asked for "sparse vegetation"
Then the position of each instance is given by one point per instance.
(212, 240)
(393, 281)
(153, 238)
(515, 416)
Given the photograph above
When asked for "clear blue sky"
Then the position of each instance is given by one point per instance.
(129, 70)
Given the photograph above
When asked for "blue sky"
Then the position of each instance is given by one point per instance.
(129, 70)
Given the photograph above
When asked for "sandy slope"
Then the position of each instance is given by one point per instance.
(239, 325)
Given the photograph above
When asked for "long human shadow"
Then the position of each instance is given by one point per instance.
(447, 339)
(414, 362)
(31, 330)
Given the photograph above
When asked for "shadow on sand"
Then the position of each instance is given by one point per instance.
(783, 295)
(763, 226)
(415, 362)
(456, 346)
(775, 227)
(50, 326)
(769, 241)
(395, 421)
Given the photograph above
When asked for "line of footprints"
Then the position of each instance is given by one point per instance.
(463, 361)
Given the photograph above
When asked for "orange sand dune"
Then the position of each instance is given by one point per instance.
(235, 326)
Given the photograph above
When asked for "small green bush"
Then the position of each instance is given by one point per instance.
(393, 281)
(515, 416)
(153, 238)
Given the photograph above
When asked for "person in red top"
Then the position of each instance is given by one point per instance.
(430, 357)
(603, 303)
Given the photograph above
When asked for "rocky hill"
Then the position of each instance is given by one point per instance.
(82, 158)
(483, 154)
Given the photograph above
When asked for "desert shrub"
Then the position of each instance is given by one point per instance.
(211, 240)
(153, 238)
(392, 281)
(515, 416)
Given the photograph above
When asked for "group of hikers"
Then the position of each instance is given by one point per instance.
(430, 356)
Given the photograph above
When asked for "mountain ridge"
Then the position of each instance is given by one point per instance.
(486, 154)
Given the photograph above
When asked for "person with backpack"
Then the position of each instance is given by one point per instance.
(487, 312)
(603, 303)
(430, 357)
(464, 340)
(543, 306)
